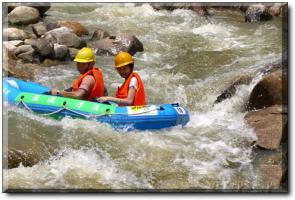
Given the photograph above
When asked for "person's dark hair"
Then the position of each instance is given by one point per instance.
(132, 66)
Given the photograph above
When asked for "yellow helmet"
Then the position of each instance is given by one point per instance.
(85, 55)
(123, 59)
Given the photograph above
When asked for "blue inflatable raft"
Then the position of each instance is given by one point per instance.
(32, 96)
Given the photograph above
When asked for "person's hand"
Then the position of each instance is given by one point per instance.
(54, 91)
(102, 99)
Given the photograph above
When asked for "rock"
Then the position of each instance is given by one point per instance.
(41, 7)
(14, 34)
(275, 10)
(271, 90)
(12, 68)
(16, 157)
(23, 15)
(23, 49)
(10, 47)
(196, 7)
(60, 51)
(72, 53)
(270, 126)
(70, 40)
(99, 34)
(231, 90)
(120, 42)
(272, 174)
(76, 27)
(43, 47)
(52, 25)
(11, 6)
(57, 31)
(39, 29)
(27, 56)
(257, 13)
(49, 62)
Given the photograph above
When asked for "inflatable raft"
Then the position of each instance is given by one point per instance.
(32, 96)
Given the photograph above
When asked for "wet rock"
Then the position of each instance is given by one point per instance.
(257, 13)
(11, 67)
(99, 34)
(73, 52)
(23, 49)
(27, 57)
(275, 10)
(272, 174)
(18, 157)
(42, 47)
(39, 29)
(76, 27)
(270, 126)
(120, 42)
(23, 15)
(60, 51)
(231, 90)
(14, 34)
(70, 40)
(50, 62)
(271, 90)
(196, 7)
(41, 7)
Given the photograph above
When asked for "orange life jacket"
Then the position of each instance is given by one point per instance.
(98, 88)
(139, 97)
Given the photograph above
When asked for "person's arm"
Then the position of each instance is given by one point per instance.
(127, 101)
(79, 94)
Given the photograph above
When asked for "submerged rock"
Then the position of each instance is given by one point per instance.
(196, 7)
(16, 158)
(231, 90)
(23, 15)
(270, 125)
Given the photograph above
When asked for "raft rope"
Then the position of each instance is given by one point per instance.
(91, 116)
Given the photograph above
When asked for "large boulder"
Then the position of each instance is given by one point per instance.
(14, 34)
(23, 15)
(271, 90)
(231, 90)
(99, 34)
(76, 27)
(257, 13)
(270, 126)
(120, 42)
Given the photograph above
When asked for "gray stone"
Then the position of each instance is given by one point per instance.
(27, 56)
(43, 47)
(14, 34)
(41, 7)
(39, 29)
(99, 34)
(60, 51)
(23, 49)
(257, 13)
(23, 15)
(73, 52)
(70, 40)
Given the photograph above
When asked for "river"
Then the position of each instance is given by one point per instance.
(187, 59)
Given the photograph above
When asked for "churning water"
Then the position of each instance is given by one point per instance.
(187, 59)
